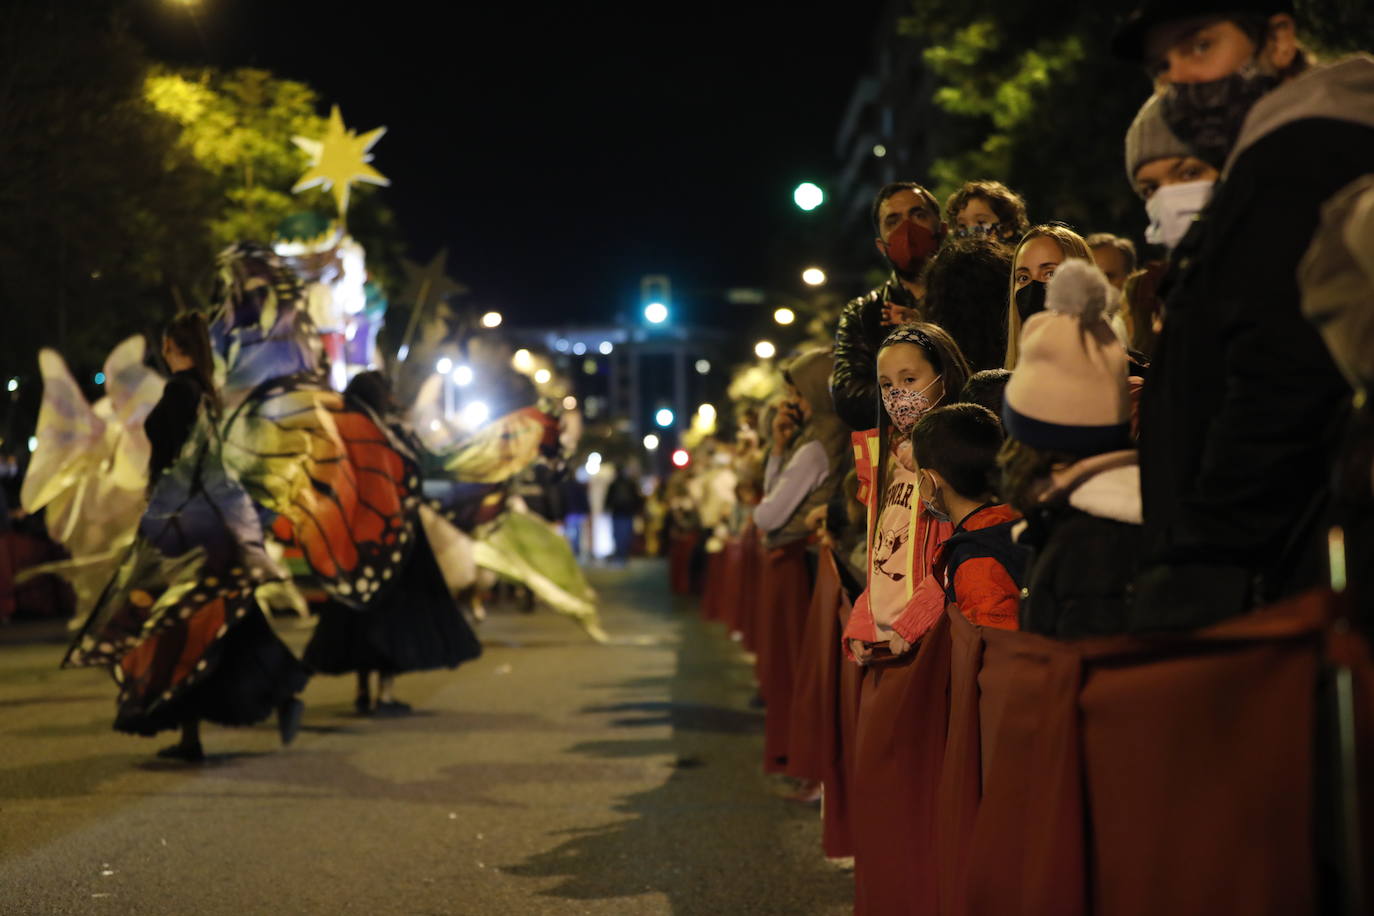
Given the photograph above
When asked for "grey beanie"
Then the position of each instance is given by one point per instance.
(1150, 138)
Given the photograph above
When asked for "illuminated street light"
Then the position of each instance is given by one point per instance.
(570, 403)
(879, 150)
(655, 313)
(784, 316)
(491, 320)
(444, 366)
(542, 377)
(475, 413)
(100, 378)
(33, 443)
(561, 345)
(808, 196)
(523, 361)
(813, 276)
(579, 348)
(703, 366)
(765, 350)
(664, 417)
(680, 458)
(462, 375)
(606, 348)
(13, 385)
(651, 442)
(707, 413)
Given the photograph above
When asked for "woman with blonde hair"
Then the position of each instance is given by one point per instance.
(1037, 255)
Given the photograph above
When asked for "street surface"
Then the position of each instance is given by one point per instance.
(552, 775)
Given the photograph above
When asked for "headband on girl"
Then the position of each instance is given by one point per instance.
(909, 333)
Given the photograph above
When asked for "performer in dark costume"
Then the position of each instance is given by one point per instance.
(413, 624)
(179, 623)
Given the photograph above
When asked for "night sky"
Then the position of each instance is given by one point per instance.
(560, 152)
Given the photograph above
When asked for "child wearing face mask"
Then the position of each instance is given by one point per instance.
(1070, 465)
(893, 632)
(981, 567)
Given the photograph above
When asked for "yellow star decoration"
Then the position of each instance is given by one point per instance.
(340, 158)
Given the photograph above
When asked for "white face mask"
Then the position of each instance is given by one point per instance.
(1172, 210)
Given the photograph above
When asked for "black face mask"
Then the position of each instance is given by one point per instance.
(1208, 116)
(1030, 299)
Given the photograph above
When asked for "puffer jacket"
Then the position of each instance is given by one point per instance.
(984, 569)
(854, 380)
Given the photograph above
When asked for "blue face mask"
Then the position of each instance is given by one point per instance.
(936, 513)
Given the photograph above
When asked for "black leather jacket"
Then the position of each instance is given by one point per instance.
(854, 380)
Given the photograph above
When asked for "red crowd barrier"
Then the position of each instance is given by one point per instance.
(1179, 773)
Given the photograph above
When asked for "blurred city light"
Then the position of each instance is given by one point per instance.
(680, 458)
(707, 412)
(594, 464)
(523, 361)
(491, 320)
(402, 353)
(462, 375)
(765, 350)
(570, 403)
(579, 348)
(808, 196)
(100, 378)
(542, 377)
(33, 443)
(703, 366)
(656, 313)
(784, 316)
(475, 413)
(589, 366)
(879, 150)
(444, 366)
(606, 348)
(13, 385)
(434, 426)
(561, 345)
(664, 417)
(813, 276)
(651, 442)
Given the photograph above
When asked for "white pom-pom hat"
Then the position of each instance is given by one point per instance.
(1068, 391)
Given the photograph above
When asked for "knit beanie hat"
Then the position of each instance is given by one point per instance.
(1149, 138)
(1068, 391)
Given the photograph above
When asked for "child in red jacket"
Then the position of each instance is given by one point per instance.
(956, 449)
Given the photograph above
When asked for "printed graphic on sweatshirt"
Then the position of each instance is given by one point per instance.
(891, 545)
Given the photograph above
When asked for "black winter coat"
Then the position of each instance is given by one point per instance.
(854, 380)
(1239, 421)
(1081, 580)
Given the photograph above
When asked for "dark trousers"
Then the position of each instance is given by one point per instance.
(623, 531)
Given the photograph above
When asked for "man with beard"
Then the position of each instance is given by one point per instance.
(907, 221)
(1240, 420)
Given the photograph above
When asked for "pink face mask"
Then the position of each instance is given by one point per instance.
(905, 406)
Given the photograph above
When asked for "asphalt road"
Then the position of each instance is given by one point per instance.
(553, 775)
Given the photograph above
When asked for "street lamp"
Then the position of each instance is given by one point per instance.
(784, 316)
(570, 403)
(462, 376)
(703, 367)
(444, 366)
(664, 417)
(523, 361)
(707, 412)
(813, 276)
(764, 349)
(655, 313)
(808, 196)
(606, 348)
(651, 442)
(542, 377)
(491, 320)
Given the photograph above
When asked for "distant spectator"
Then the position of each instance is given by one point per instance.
(987, 209)
(1114, 256)
(966, 294)
(986, 388)
(623, 503)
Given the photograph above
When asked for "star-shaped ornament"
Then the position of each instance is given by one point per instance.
(339, 159)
